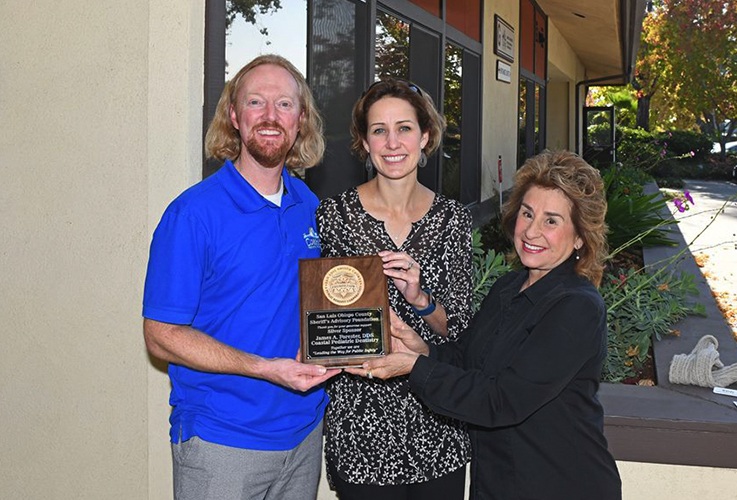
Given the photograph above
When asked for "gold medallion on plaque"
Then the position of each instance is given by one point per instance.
(343, 285)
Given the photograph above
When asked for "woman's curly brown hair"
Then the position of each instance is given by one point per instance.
(582, 185)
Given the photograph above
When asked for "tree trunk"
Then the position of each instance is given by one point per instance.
(643, 113)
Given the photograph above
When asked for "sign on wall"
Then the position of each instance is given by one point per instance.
(503, 39)
(503, 71)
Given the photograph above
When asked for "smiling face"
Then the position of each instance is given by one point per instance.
(393, 138)
(267, 114)
(544, 234)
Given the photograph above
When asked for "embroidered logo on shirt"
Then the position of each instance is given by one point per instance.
(312, 239)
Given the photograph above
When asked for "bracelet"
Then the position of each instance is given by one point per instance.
(430, 307)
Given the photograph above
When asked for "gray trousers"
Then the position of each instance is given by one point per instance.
(208, 471)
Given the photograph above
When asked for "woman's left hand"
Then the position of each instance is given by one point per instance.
(405, 273)
(389, 366)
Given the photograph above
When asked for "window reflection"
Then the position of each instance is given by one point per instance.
(281, 30)
(451, 160)
(522, 123)
(392, 47)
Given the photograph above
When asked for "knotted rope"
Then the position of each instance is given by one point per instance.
(702, 366)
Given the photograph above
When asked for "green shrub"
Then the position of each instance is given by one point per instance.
(638, 148)
(633, 217)
(658, 152)
(685, 143)
(671, 182)
(641, 307)
(488, 265)
(493, 236)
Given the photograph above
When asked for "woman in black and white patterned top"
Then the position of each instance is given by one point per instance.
(382, 442)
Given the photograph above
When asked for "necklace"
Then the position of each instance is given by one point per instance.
(400, 235)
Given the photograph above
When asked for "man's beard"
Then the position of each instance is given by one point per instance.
(272, 154)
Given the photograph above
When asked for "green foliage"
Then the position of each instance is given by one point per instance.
(671, 183)
(641, 307)
(494, 237)
(669, 155)
(685, 143)
(622, 98)
(638, 148)
(712, 168)
(488, 265)
(249, 9)
(688, 56)
(633, 217)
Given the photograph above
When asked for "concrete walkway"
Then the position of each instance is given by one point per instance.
(715, 247)
(718, 244)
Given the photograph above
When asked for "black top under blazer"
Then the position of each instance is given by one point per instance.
(525, 376)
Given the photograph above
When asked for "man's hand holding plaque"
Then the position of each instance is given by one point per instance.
(345, 310)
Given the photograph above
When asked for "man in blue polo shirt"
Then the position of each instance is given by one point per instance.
(221, 299)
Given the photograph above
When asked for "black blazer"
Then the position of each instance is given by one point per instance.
(525, 376)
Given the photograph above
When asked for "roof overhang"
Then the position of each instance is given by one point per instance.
(604, 34)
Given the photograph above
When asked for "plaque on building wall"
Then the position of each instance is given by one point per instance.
(503, 71)
(503, 39)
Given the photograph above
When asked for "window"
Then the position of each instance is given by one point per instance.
(417, 44)
(341, 46)
(452, 107)
(533, 74)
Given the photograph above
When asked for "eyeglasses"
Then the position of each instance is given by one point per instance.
(410, 85)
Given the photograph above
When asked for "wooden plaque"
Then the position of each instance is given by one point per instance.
(344, 303)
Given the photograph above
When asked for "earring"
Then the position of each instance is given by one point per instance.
(369, 165)
(423, 160)
(577, 256)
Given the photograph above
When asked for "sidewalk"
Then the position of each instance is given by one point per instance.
(717, 243)
(715, 250)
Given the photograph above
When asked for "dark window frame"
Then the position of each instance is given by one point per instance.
(471, 118)
(533, 82)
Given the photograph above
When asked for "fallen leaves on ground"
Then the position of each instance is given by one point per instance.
(726, 299)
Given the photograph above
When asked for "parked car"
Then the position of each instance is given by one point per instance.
(730, 147)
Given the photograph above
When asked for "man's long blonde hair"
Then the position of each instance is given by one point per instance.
(223, 140)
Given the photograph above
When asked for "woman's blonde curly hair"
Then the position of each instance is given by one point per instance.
(223, 140)
(582, 185)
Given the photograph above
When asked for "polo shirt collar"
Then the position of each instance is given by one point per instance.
(246, 197)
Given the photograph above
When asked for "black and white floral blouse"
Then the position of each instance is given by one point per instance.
(377, 432)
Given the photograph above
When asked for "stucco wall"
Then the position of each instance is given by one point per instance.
(564, 71)
(499, 105)
(100, 105)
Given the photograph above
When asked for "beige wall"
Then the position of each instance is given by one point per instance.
(101, 123)
(101, 111)
(564, 71)
(499, 105)
(668, 482)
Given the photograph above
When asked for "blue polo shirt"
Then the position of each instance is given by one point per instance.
(225, 261)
